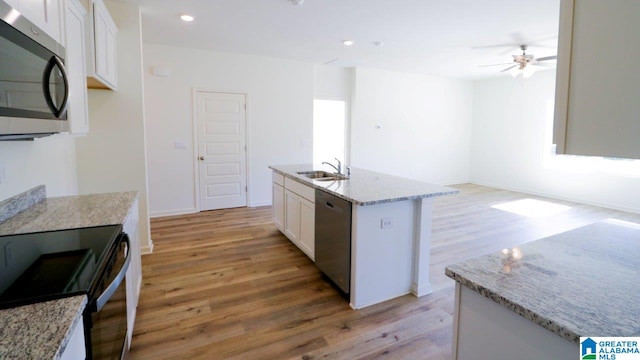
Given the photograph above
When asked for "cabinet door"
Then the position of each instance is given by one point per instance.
(76, 65)
(277, 208)
(134, 274)
(104, 37)
(292, 216)
(75, 349)
(307, 228)
(597, 85)
(45, 14)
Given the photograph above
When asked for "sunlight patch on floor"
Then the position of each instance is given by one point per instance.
(532, 208)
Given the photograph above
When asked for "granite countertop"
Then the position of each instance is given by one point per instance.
(366, 187)
(582, 282)
(68, 212)
(41, 330)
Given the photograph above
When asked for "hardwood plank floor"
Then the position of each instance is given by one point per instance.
(226, 284)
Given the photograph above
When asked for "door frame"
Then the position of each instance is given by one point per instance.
(196, 141)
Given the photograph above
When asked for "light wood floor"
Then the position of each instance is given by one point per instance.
(227, 285)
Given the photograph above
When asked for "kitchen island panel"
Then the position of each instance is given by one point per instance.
(487, 330)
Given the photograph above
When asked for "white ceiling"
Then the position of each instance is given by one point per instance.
(439, 37)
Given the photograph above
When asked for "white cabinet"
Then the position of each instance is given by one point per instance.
(307, 227)
(300, 222)
(293, 212)
(75, 44)
(292, 216)
(134, 274)
(597, 86)
(278, 206)
(277, 193)
(101, 48)
(75, 349)
(45, 14)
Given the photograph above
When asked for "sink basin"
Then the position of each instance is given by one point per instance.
(322, 175)
(315, 174)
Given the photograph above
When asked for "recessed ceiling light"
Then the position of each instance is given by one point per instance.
(186, 17)
(348, 42)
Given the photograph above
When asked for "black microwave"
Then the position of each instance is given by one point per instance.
(34, 89)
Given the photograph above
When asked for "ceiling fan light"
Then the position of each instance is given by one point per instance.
(528, 71)
(515, 71)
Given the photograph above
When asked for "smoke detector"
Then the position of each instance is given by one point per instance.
(297, 2)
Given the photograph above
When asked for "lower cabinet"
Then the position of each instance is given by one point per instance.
(134, 274)
(277, 208)
(307, 227)
(300, 222)
(293, 212)
(75, 349)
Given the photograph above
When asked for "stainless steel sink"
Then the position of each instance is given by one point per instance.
(321, 175)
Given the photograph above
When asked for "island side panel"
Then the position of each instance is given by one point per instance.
(422, 246)
(381, 259)
(487, 330)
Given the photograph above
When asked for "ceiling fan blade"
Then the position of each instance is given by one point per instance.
(545, 58)
(544, 65)
(509, 63)
(509, 68)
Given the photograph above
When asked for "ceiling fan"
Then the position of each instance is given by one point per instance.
(523, 63)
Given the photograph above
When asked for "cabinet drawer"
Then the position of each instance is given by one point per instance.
(277, 178)
(305, 191)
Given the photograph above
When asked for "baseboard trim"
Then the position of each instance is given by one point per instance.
(157, 214)
(259, 204)
(556, 196)
(423, 290)
(147, 249)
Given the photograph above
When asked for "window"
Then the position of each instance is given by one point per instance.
(329, 130)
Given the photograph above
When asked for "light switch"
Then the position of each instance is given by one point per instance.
(180, 145)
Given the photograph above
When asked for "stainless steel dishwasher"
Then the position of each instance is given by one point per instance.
(333, 239)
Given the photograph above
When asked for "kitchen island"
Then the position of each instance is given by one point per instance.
(390, 228)
(536, 300)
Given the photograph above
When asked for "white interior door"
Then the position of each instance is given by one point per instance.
(222, 150)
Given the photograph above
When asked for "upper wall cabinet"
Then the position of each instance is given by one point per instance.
(598, 86)
(45, 14)
(74, 34)
(101, 48)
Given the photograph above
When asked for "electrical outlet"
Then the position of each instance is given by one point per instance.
(386, 223)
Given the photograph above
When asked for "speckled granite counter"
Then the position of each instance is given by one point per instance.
(580, 283)
(67, 212)
(39, 331)
(366, 187)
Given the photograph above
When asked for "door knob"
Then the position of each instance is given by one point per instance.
(201, 158)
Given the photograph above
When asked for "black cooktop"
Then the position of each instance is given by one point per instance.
(44, 266)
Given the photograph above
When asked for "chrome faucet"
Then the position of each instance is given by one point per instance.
(338, 168)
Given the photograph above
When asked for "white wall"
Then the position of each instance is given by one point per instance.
(511, 127)
(112, 157)
(279, 118)
(50, 161)
(332, 82)
(425, 125)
